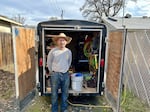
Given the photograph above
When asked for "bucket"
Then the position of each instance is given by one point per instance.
(77, 81)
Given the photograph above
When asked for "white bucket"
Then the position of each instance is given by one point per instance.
(77, 81)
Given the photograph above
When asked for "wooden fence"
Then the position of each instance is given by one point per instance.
(6, 49)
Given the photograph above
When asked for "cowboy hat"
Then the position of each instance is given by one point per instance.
(61, 35)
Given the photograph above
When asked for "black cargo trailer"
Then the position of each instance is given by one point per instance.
(88, 50)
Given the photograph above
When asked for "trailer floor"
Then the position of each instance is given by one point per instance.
(42, 104)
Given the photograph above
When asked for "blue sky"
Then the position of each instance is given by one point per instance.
(139, 8)
(39, 10)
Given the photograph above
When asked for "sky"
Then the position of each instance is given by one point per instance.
(138, 8)
(36, 11)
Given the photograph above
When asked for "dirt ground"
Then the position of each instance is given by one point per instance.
(39, 104)
(7, 90)
(43, 104)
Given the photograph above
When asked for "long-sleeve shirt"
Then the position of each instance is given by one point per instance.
(59, 60)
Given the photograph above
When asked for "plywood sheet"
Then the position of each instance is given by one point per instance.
(114, 62)
(25, 56)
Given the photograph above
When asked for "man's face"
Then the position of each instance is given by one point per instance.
(61, 42)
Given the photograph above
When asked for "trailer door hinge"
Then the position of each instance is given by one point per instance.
(38, 86)
(106, 39)
(103, 84)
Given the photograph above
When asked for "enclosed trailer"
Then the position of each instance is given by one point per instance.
(88, 53)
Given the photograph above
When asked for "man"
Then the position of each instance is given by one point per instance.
(58, 61)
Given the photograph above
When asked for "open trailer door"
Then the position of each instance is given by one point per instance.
(88, 54)
(24, 59)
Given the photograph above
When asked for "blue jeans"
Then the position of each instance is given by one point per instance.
(59, 80)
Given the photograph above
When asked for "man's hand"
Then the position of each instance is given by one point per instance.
(47, 75)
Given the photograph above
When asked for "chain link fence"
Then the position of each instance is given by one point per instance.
(137, 63)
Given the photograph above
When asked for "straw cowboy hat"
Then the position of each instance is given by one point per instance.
(61, 35)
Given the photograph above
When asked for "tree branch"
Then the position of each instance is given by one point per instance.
(94, 9)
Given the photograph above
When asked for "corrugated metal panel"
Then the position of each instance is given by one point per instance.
(134, 23)
(137, 64)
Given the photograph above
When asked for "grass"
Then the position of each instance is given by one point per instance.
(42, 104)
(134, 104)
(9, 68)
(8, 94)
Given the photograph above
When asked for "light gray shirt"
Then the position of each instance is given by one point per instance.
(59, 60)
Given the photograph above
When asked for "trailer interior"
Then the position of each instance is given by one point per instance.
(86, 47)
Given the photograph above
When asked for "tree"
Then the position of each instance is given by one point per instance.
(95, 9)
(19, 18)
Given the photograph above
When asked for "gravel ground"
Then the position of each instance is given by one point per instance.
(7, 91)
